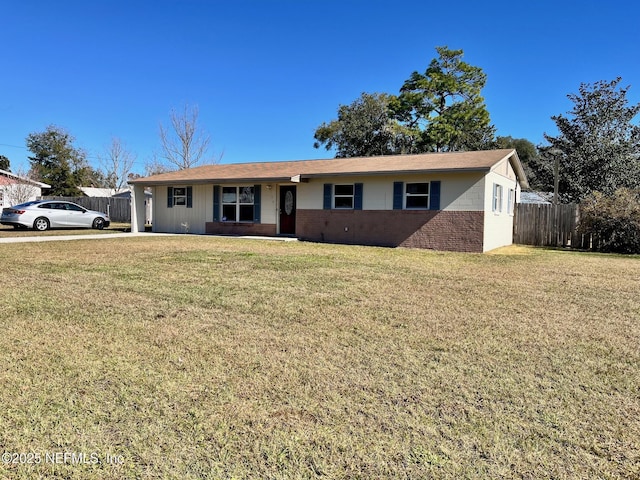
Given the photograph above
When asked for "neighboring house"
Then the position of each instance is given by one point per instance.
(15, 189)
(101, 192)
(148, 201)
(96, 192)
(462, 201)
(543, 198)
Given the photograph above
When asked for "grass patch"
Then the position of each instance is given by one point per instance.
(200, 357)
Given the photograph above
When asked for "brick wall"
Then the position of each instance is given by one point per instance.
(439, 230)
(232, 228)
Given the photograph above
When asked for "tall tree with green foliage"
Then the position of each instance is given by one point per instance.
(364, 128)
(539, 173)
(5, 164)
(438, 110)
(57, 161)
(598, 146)
(444, 105)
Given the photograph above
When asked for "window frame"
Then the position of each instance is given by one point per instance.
(343, 196)
(497, 200)
(511, 201)
(74, 208)
(237, 204)
(188, 196)
(408, 195)
(52, 206)
(177, 196)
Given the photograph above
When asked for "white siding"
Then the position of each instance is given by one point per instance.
(172, 219)
(462, 192)
(180, 219)
(498, 226)
(269, 207)
(505, 169)
(458, 192)
(14, 194)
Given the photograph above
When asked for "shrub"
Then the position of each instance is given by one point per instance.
(614, 221)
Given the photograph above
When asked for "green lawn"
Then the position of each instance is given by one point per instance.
(198, 357)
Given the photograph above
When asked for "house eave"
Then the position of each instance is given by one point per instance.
(393, 172)
(301, 178)
(15, 177)
(516, 164)
(211, 181)
(304, 170)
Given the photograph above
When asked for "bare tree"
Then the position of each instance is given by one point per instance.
(185, 144)
(117, 162)
(153, 166)
(22, 188)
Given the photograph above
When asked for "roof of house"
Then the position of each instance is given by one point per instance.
(13, 178)
(100, 192)
(296, 171)
(127, 194)
(536, 197)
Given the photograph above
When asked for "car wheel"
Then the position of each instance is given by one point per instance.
(41, 224)
(98, 223)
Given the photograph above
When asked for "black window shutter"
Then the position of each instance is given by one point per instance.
(434, 196)
(328, 191)
(257, 194)
(216, 203)
(357, 196)
(189, 197)
(398, 193)
(169, 197)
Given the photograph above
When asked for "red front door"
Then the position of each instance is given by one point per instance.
(288, 210)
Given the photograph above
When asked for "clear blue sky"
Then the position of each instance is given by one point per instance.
(266, 73)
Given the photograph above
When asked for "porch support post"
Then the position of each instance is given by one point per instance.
(138, 211)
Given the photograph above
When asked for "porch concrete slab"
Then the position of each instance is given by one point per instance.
(255, 237)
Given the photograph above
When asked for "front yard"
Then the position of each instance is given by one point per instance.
(199, 357)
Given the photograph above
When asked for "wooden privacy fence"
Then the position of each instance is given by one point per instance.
(548, 225)
(118, 209)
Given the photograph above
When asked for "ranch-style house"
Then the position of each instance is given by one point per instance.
(461, 201)
(15, 189)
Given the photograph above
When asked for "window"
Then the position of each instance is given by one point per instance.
(238, 204)
(1, 197)
(346, 197)
(180, 196)
(511, 202)
(74, 208)
(343, 196)
(52, 206)
(417, 195)
(497, 198)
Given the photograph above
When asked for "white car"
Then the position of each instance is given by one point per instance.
(45, 214)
